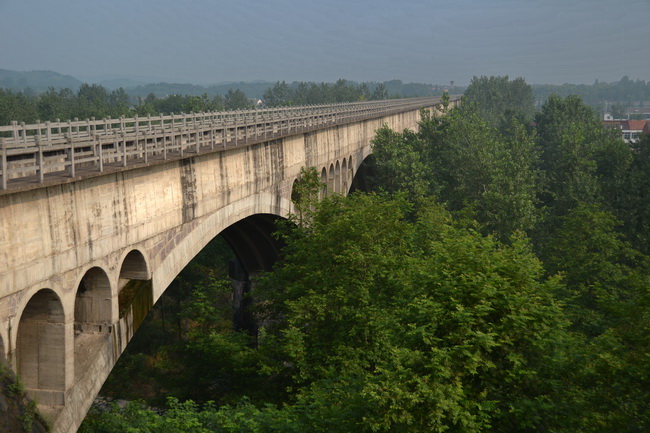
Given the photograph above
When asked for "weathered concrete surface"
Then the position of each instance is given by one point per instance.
(67, 250)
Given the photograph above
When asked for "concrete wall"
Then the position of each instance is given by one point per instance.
(83, 240)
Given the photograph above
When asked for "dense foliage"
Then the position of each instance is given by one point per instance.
(499, 282)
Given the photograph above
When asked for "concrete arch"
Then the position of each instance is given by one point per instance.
(295, 195)
(337, 178)
(344, 176)
(330, 179)
(363, 173)
(40, 347)
(323, 180)
(252, 241)
(351, 172)
(93, 309)
(193, 242)
(135, 266)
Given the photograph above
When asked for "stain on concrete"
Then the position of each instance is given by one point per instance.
(188, 189)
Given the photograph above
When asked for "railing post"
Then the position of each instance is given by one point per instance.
(137, 134)
(123, 136)
(196, 136)
(39, 160)
(236, 127)
(99, 153)
(3, 163)
(180, 140)
(145, 146)
(71, 154)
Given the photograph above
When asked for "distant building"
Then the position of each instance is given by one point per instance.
(631, 130)
(638, 112)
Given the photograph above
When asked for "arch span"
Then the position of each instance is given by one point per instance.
(361, 181)
(337, 178)
(134, 267)
(323, 180)
(93, 308)
(41, 346)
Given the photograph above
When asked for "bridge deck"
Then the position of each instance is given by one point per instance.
(58, 152)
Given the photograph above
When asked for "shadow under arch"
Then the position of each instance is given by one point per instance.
(256, 249)
(363, 179)
(40, 348)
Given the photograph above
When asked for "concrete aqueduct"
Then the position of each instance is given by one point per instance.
(88, 207)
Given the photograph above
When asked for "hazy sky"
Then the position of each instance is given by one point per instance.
(434, 41)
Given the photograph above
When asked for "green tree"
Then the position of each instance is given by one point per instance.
(567, 130)
(236, 100)
(305, 195)
(399, 163)
(279, 95)
(497, 97)
(92, 101)
(379, 93)
(397, 326)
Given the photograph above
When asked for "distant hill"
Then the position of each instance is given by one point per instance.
(252, 89)
(38, 81)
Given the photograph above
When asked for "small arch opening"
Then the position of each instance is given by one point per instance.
(330, 179)
(337, 178)
(323, 180)
(134, 267)
(344, 177)
(350, 173)
(40, 348)
(295, 194)
(93, 303)
(3, 352)
(134, 283)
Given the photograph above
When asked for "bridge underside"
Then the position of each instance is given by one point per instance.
(96, 253)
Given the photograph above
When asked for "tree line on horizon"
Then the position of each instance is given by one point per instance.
(94, 100)
(496, 280)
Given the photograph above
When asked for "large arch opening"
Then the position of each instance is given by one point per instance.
(40, 348)
(363, 179)
(256, 250)
(218, 282)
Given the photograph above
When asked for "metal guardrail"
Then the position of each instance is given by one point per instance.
(29, 153)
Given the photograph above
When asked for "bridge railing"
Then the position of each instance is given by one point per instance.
(30, 152)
